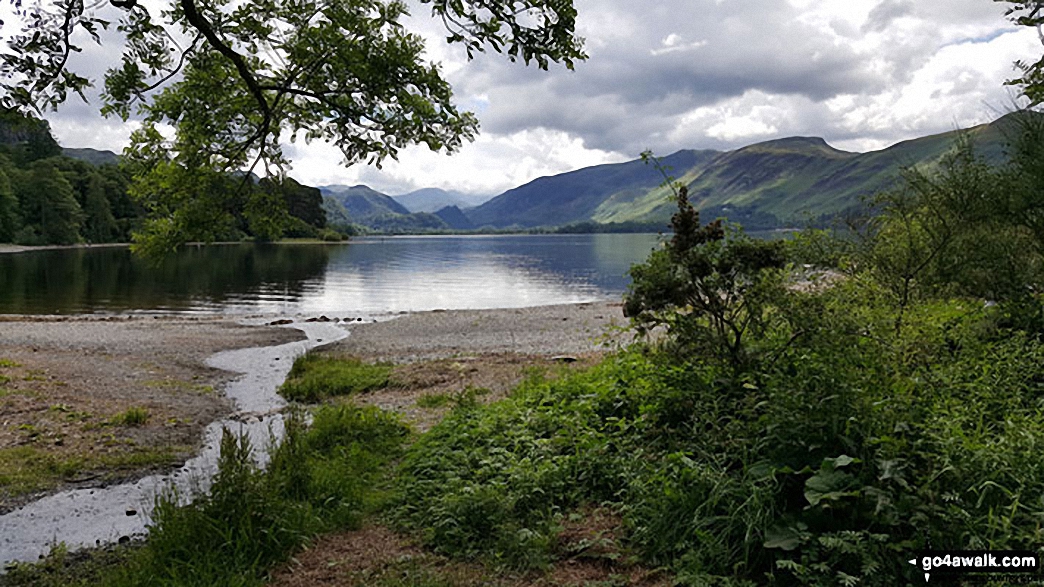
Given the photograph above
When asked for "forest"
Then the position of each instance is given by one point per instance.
(47, 198)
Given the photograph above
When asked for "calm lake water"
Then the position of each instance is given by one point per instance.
(369, 275)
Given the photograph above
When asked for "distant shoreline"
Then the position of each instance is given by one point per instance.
(7, 248)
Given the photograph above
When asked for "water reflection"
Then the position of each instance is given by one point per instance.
(367, 276)
(214, 278)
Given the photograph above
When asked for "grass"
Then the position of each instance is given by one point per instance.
(63, 569)
(434, 400)
(324, 476)
(8, 364)
(28, 469)
(315, 377)
(132, 417)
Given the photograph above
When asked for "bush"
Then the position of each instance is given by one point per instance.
(712, 290)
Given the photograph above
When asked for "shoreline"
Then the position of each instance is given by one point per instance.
(66, 379)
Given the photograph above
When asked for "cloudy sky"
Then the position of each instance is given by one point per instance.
(692, 74)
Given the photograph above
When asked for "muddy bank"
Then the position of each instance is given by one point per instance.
(89, 517)
(98, 400)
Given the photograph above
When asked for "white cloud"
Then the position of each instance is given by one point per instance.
(678, 74)
(490, 165)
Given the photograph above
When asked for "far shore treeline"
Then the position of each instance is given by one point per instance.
(47, 198)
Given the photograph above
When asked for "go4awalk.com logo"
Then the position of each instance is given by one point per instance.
(943, 564)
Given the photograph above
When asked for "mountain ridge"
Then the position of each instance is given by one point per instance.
(779, 182)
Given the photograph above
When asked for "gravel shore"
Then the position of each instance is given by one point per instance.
(66, 381)
(543, 331)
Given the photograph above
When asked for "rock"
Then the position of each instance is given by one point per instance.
(132, 512)
(281, 322)
(564, 359)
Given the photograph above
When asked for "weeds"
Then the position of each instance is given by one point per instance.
(434, 400)
(133, 416)
(315, 377)
(321, 477)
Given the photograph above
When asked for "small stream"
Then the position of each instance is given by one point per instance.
(95, 516)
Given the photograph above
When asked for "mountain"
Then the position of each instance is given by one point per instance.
(434, 199)
(92, 156)
(363, 203)
(454, 218)
(336, 215)
(779, 182)
(576, 196)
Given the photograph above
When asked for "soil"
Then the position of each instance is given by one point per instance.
(66, 385)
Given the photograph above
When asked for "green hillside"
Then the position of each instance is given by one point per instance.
(93, 156)
(367, 207)
(363, 203)
(775, 183)
(576, 195)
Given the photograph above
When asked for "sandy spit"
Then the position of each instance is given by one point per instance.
(543, 331)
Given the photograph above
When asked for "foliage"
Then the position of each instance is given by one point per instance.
(247, 76)
(710, 290)
(853, 448)
(315, 377)
(966, 228)
(1029, 13)
(321, 477)
(46, 198)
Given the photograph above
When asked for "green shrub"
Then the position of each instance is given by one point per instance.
(713, 290)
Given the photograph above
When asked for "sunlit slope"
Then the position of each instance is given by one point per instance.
(780, 182)
(796, 179)
(575, 196)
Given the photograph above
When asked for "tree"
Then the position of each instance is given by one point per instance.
(1029, 13)
(48, 206)
(235, 79)
(710, 289)
(9, 219)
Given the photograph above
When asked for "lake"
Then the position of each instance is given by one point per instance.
(366, 276)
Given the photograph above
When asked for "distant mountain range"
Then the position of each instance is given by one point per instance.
(782, 182)
(434, 199)
(775, 183)
(92, 156)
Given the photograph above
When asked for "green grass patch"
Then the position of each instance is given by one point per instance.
(27, 469)
(133, 417)
(434, 400)
(315, 377)
(8, 364)
(63, 569)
